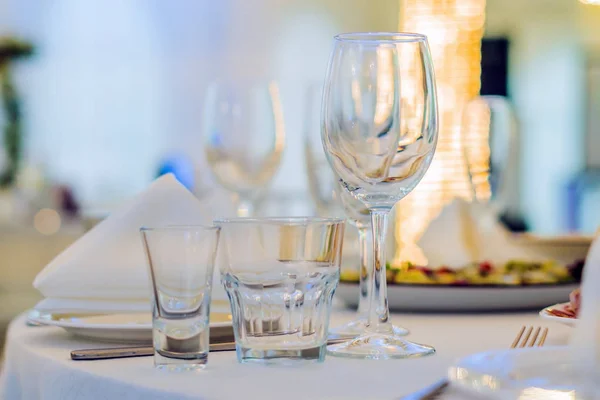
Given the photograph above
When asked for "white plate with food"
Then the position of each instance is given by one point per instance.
(564, 313)
(122, 328)
(516, 285)
(560, 313)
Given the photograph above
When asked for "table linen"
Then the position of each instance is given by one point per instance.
(38, 366)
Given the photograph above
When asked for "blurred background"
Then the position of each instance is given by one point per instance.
(99, 97)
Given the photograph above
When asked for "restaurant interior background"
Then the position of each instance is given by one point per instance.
(105, 94)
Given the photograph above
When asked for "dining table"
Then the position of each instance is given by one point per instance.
(37, 365)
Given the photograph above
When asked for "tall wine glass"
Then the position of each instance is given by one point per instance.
(244, 138)
(379, 131)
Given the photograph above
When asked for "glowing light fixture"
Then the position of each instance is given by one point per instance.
(454, 29)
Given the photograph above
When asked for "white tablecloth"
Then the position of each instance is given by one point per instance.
(38, 366)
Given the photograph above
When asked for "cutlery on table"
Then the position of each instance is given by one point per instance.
(144, 351)
(526, 337)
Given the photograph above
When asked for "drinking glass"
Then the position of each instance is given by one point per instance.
(244, 138)
(379, 130)
(280, 275)
(181, 260)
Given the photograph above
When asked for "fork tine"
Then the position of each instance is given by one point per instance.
(543, 338)
(535, 336)
(518, 338)
(526, 338)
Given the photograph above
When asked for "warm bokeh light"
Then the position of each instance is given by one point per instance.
(454, 29)
(47, 221)
(591, 2)
(476, 143)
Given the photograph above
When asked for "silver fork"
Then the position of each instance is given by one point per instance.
(523, 339)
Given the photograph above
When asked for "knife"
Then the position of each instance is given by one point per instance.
(136, 351)
(429, 393)
(144, 351)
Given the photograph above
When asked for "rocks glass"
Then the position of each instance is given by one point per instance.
(280, 275)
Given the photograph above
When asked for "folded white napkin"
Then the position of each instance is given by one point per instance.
(585, 340)
(466, 232)
(105, 270)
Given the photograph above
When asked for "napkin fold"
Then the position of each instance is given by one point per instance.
(105, 270)
(585, 340)
(467, 232)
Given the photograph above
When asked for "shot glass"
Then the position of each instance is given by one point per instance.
(181, 262)
(280, 275)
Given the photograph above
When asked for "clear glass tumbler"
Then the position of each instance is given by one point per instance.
(181, 261)
(280, 275)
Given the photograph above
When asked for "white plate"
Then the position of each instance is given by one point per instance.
(530, 373)
(463, 298)
(563, 241)
(563, 249)
(122, 328)
(546, 314)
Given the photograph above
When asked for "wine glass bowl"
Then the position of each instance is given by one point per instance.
(379, 115)
(379, 131)
(244, 138)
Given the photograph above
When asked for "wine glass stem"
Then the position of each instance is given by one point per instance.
(364, 240)
(379, 312)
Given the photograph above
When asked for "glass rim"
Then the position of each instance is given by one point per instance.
(381, 37)
(280, 220)
(175, 228)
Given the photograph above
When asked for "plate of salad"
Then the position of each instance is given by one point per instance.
(483, 286)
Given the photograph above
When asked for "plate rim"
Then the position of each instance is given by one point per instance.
(70, 324)
(565, 240)
(480, 286)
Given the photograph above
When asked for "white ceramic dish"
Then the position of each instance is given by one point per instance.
(530, 373)
(122, 328)
(563, 241)
(463, 298)
(564, 249)
(546, 314)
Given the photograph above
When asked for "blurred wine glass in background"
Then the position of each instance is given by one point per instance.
(322, 181)
(331, 199)
(491, 147)
(244, 138)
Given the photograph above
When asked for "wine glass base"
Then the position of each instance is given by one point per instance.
(379, 346)
(359, 327)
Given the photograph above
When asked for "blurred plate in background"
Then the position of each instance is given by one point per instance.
(460, 298)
